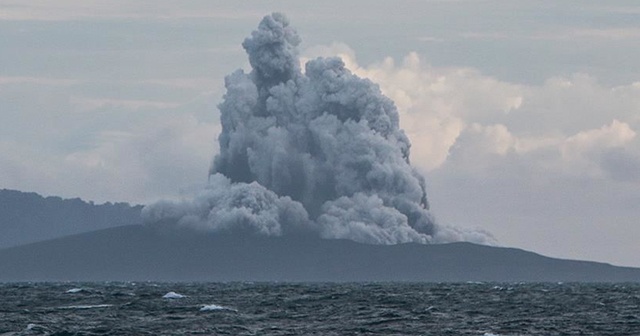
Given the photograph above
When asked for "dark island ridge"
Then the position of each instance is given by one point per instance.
(161, 253)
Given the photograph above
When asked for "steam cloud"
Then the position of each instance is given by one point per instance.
(319, 152)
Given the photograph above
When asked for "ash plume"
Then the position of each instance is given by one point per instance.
(316, 152)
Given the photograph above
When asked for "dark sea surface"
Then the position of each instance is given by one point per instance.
(319, 309)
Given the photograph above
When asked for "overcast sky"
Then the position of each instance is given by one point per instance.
(524, 115)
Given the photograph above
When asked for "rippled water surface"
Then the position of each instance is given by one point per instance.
(319, 309)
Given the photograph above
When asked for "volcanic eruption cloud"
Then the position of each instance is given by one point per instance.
(318, 152)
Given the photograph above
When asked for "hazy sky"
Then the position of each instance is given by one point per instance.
(524, 116)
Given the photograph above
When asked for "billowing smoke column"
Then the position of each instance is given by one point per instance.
(319, 152)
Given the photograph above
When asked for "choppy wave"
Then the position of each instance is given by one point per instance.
(87, 306)
(479, 309)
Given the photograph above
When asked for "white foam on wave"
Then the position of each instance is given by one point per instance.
(31, 329)
(173, 295)
(87, 306)
(211, 307)
(75, 290)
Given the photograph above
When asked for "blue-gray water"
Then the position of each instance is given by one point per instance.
(319, 309)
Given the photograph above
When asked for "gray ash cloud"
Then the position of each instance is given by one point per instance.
(318, 151)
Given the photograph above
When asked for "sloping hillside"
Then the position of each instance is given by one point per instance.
(145, 253)
(29, 217)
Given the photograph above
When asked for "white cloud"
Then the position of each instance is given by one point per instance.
(572, 104)
(608, 136)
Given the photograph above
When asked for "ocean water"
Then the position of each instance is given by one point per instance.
(484, 309)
